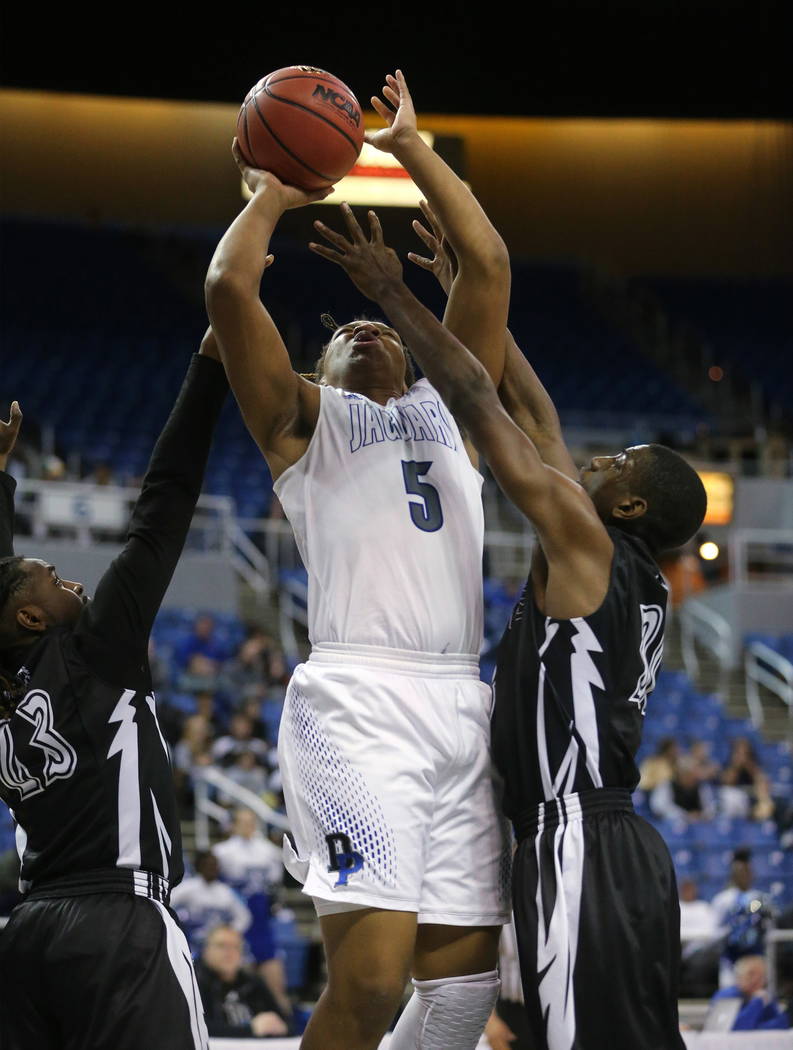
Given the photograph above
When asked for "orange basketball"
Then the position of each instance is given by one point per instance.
(302, 124)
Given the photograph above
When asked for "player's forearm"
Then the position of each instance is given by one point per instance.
(530, 406)
(239, 260)
(450, 367)
(523, 394)
(473, 237)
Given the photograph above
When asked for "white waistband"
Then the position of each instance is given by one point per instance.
(398, 661)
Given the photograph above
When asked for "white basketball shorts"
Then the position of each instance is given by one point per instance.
(386, 770)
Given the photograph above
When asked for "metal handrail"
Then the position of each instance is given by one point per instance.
(699, 623)
(215, 513)
(780, 683)
(740, 540)
(206, 808)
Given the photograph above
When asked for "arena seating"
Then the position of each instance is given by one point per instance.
(746, 323)
(125, 309)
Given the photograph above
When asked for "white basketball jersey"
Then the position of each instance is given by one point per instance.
(387, 514)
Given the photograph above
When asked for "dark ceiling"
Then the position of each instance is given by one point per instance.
(671, 58)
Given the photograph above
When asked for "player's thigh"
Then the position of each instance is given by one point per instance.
(468, 852)
(115, 973)
(454, 951)
(26, 1017)
(369, 953)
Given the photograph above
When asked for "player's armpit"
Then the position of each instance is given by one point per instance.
(279, 407)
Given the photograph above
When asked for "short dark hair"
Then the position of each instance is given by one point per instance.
(319, 366)
(13, 577)
(676, 500)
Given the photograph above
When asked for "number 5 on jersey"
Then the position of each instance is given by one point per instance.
(427, 514)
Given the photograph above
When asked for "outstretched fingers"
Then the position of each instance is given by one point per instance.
(375, 229)
(326, 253)
(382, 110)
(432, 219)
(431, 240)
(336, 239)
(356, 233)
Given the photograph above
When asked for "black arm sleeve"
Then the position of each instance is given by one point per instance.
(112, 633)
(7, 489)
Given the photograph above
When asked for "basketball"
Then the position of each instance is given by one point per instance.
(303, 125)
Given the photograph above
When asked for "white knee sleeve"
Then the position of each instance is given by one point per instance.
(448, 1014)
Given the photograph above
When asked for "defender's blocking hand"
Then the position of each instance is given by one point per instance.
(443, 263)
(371, 265)
(8, 433)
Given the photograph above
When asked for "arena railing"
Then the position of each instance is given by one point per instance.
(88, 515)
(765, 667)
(206, 809)
(701, 625)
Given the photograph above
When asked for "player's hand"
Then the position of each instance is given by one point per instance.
(401, 119)
(370, 264)
(268, 1023)
(498, 1034)
(285, 197)
(443, 263)
(8, 433)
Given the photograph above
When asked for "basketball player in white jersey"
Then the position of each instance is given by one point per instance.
(384, 738)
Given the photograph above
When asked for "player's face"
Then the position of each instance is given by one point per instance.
(362, 351)
(607, 476)
(61, 600)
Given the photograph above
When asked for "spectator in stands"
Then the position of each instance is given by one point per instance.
(191, 752)
(698, 921)
(200, 675)
(701, 943)
(259, 661)
(102, 474)
(202, 642)
(745, 790)
(203, 901)
(707, 769)
(236, 1002)
(660, 767)
(684, 797)
(743, 914)
(239, 739)
(247, 773)
(758, 1011)
(206, 705)
(254, 867)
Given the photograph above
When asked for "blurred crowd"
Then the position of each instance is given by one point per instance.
(692, 786)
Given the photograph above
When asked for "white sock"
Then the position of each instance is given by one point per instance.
(448, 1014)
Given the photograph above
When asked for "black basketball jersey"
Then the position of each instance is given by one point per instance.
(84, 766)
(570, 695)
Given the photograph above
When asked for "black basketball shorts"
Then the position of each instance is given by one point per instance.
(598, 924)
(105, 971)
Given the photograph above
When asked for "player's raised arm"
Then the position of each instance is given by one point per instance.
(521, 392)
(8, 438)
(276, 403)
(572, 535)
(479, 297)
